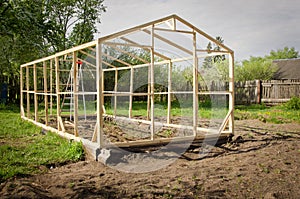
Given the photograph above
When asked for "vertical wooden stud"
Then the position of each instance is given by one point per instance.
(100, 121)
(231, 90)
(21, 92)
(169, 93)
(45, 92)
(75, 92)
(28, 95)
(152, 83)
(57, 94)
(195, 86)
(35, 93)
(116, 90)
(51, 86)
(131, 92)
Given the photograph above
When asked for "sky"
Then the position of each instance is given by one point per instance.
(249, 27)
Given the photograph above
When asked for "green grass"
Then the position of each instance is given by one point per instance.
(23, 148)
(275, 114)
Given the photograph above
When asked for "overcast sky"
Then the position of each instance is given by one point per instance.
(249, 27)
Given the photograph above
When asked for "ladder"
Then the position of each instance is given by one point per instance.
(67, 104)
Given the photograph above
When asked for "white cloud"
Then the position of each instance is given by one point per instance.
(249, 27)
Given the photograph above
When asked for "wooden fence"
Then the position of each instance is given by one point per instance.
(266, 91)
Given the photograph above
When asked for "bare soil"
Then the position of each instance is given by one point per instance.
(261, 161)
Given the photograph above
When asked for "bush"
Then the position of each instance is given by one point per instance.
(293, 103)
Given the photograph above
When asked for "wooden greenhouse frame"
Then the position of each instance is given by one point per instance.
(44, 81)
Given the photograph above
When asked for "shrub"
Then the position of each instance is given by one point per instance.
(293, 103)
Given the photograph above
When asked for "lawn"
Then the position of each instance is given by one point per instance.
(25, 148)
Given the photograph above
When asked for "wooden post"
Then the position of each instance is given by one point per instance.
(131, 92)
(149, 91)
(28, 95)
(57, 94)
(45, 92)
(75, 92)
(116, 89)
(258, 91)
(231, 90)
(99, 123)
(35, 93)
(169, 93)
(195, 86)
(152, 83)
(51, 86)
(21, 92)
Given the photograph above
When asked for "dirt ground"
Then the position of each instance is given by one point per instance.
(261, 161)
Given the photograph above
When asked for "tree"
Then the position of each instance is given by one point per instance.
(210, 60)
(34, 29)
(262, 67)
(285, 53)
(255, 68)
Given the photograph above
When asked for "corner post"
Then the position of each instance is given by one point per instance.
(100, 103)
(231, 90)
(195, 86)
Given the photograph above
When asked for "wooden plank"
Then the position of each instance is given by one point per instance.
(28, 95)
(36, 117)
(170, 42)
(45, 92)
(51, 86)
(169, 93)
(100, 103)
(131, 92)
(116, 90)
(116, 59)
(231, 90)
(195, 86)
(21, 92)
(174, 30)
(130, 54)
(60, 133)
(152, 83)
(75, 91)
(137, 28)
(161, 141)
(202, 33)
(146, 48)
(58, 111)
(87, 54)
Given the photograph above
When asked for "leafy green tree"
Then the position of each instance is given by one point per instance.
(262, 68)
(255, 68)
(285, 53)
(33, 29)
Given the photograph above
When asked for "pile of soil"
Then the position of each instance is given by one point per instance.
(262, 161)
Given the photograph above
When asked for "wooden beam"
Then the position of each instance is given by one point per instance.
(45, 91)
(28, 95)
(131, 91)
(75, 92)
(58, 111)
(195, 87)
(21, 92)
(202, 33)
(130, 54)
(116, 90)
(116, 59)
(146, 48)
(152, 83)
(36, 105)
(169, 93)
(231, 90)
(100, 103)
(170, 42)
(51, 86)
